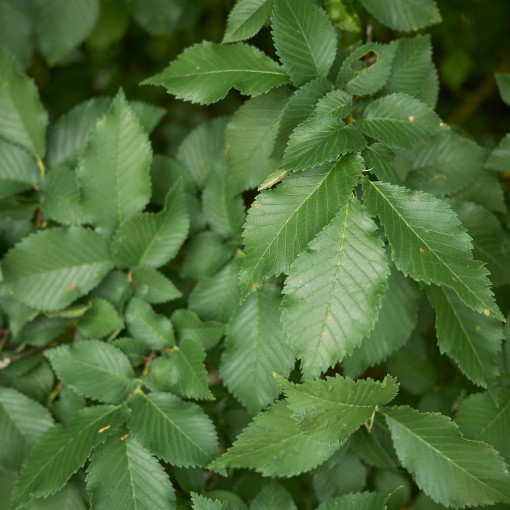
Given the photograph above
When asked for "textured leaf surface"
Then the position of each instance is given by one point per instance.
(431, 447)
(205, 72)
(100, 320)
(50, 269)
(188, 325)
(334, 290)
(429, 243)
(94, 369)
(60, 452)
(246, 18)
(329, 411)
(255, 348)
(304, 38)
(123, 475)
(499, 157)
(356, 501)
(176, 431)
(273, 445)
(273, 495)
(503, 81)
(281, 222)
(18, 170)
(205, 503)
(152, 286)
(16, 31)
(378, 159)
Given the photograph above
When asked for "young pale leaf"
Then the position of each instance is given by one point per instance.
(334, 290)
(60, 452)
(246, 18)
(329, 411)
(304, 38)
(22, 421)
(273, 445)
(367, 68)
(503, 81)
(205, 72)
(481, 419)
(94, 369)
(188, 325)
(123, 475)
(500, 156)
(471, 339)
(356, 501)
(153, 239)
(77, 16)
(281, 222)
(273, 495)
(255, 348)
(429, 243)
(152, 286)
(176, 431)
(378, 159)
(18, 170)
(23, 120)
(404, 15)
(100, 320)
(52, 268)
(399, 121)
(114, 168)
(431, 448)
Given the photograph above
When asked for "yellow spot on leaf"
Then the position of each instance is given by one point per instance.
(103, 429)
(197, 68)
(72, 286)
(411, 118)
(187, 75)
(438, 176)
(442, 124)
(256, 204)
(6, 83)
(124, 437)
(328, 317)
(227, 149)
(487, 312)
(422, 250)
(254, 287)
(160, 238)
(324, 333)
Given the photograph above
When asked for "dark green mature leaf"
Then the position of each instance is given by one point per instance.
(404, 14)
(42, 330)
(176, 431)
(336, 102)
(273, 445)
(50, 269)
(361, 77)
(188, 325)
(280, 222)
(123, 475)
(114, 168)
(273, 495)
(334, 290)
(471, 339)
(60, 452)
(115, 288)
(100, 320)
(205, 72)
(399, 121)
(304, 38)
(152, 286)
(245, 19)
(205, 503)
(255, 348)
(503, 81)
(356, 501)
(429, 243)
(378, 159)
(500, 156)
(23, 120)
(431, 447)
(329, 411)
(16, 31)
(18, 170)
(94, 369)
(153, 239)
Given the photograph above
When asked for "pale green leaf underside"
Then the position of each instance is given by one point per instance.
(246, 18)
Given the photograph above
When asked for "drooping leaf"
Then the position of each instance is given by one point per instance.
(304, 38)
(256, 347)
(429, 243)
(245, 19)
(100, 320)
(431, 447)
(95, 369)
(176, 431)
(356, 501)
(61, 451)
(273, 495)
(503, 82)
(205, 72)
(280, 223)
(52, 268)
(18, 170)
(123, 475)
(188, 325)
(334, 290)
(152, 286)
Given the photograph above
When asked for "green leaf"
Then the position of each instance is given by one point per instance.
(123, 475)
(16, 31)
(18, 170)
(143, 323)
(429, 93)
(429, 243)
(329, 411)
(176, 431)
(134, 349)
(255, 348)
(356, 501)
(378, 159)
(404, 15)
(23, 120)
(22, 421)
(70, 498)
(115, 288)
(205, 72)
(152, 286)
(273, 445)
(188, 325)
(42, 330)
(94, 369)
(273, 495)
(503, 82)
(399, 121)
(471, 339)
(114, 168)
(367, 68)
(280, 222)
(396, 321)
(101, 320)
(245, 19)
(62, 25)
(152, 239)
(431, 447)
(205, 503)
(304, 38)
(50, 269)
(336, 102)
(60, 452)
(334, 290)
(499, 157)
(148, 114)
(480, 418)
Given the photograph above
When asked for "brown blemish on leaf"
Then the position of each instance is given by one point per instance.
(442, 124)
(324, 333)
(487, 312)
(187, 75)
(254, 287)
(438, 176)
(124, 437)
(411, 118)
(101, 430)
(227, 149)
(329, 318)
(72, 286)
(256, 204)
(422, 250)
(160, 238)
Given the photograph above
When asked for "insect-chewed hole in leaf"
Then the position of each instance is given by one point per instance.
(367, 60)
